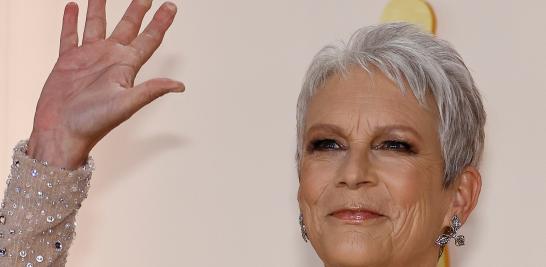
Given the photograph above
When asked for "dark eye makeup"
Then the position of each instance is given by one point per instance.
(324, 145)
(329, 144)
(395, 145)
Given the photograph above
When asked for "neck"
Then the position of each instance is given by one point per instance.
(428, 260)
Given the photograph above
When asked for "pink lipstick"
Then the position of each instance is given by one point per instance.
(355, 216)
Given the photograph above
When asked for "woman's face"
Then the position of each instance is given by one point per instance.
(371, 174)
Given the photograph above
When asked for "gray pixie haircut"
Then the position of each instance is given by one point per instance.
(428, 65)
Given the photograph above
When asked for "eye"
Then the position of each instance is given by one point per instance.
(324, 145)
(395, 145)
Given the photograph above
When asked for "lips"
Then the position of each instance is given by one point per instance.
(355, 215)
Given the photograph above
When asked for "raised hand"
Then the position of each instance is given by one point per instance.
(90, 90)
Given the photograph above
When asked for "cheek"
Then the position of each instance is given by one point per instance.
(315, 176)
(316, 179)
(416, 194)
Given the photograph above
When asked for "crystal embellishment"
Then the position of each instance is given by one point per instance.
(2, 219)
(455, 223)
(2, 252)
(39, 258)
(50, 219)
(443, 240)
(34, 173)
(58, 246)
(23, 253)
(459, 240)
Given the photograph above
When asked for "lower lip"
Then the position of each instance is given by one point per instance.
(355, 217)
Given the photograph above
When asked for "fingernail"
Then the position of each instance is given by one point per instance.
(171, 6)
(179, 87)
(72, 5)
(147, 3)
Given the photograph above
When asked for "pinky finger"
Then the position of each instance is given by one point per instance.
(69, 32)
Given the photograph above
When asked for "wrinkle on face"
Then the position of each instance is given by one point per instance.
(318, 214)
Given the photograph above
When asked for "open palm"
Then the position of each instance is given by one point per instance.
(90, 90)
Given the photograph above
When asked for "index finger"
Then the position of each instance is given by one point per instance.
(150, 39)
(69, 32)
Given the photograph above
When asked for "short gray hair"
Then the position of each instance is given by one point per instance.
(429, 65)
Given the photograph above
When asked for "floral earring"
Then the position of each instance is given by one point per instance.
(444, 238)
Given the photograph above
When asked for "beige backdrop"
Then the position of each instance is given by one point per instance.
(207, 178)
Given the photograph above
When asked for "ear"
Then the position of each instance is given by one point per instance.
(466, 189)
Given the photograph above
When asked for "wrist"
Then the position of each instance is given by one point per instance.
(57, 149)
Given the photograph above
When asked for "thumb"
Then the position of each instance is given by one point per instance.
(148, 91)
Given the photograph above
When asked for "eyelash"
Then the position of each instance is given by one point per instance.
(324, 145)
(395, 145)
(389, 145)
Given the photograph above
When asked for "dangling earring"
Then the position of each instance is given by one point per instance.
(451, 233)
(302, 229)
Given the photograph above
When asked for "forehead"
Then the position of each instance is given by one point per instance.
(359, 99)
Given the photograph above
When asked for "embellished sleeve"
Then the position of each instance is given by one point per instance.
(37, 216)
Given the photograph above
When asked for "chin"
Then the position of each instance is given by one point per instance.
(353, 249)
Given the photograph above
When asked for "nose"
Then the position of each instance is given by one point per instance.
(355, 171)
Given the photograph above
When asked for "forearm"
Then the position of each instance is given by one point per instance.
(38, 212)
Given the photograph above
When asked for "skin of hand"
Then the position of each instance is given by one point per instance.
(91, 90)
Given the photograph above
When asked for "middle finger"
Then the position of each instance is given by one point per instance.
(95, 23)
(129, 26)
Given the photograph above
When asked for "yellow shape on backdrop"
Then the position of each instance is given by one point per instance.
(414, 11)
(444, 260)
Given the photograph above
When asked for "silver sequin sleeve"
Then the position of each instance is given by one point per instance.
(37, 216)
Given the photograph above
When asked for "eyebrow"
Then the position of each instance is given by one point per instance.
(399, 127)
(327, 127)
(382, 129)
